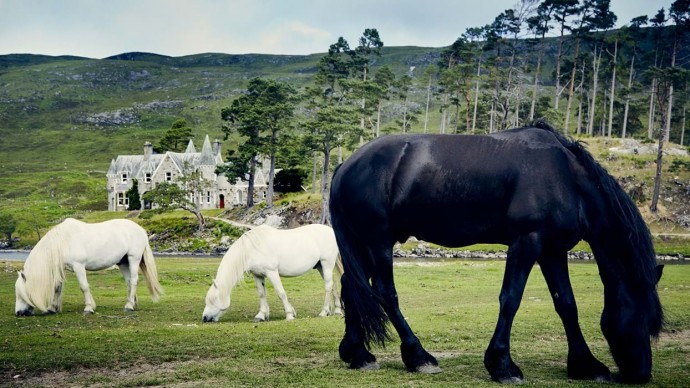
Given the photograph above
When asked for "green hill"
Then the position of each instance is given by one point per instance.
(80, 112)
(62, 119)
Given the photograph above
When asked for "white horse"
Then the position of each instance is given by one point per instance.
(270, 253)
(79, 247)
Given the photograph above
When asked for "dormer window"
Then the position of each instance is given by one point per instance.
(147, 177)
(168, 176)
(124, 177)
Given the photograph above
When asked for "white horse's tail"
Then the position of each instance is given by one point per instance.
(339, 266)
(148, 267)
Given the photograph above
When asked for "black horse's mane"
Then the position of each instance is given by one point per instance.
(620, 203)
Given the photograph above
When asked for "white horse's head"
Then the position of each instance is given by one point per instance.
(216, 304)
(21, 305)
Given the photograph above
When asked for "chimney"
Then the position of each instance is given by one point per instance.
(216, 147)
(148, 150)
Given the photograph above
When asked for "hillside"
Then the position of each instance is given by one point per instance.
(81, 112)
(62, 120)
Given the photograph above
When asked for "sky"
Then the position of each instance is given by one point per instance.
(102, 28)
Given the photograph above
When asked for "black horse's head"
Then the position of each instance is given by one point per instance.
(632, 316)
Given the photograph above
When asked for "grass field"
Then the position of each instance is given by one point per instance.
(452, 306)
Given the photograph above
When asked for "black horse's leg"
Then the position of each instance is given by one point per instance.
(352, 348)
(521, 257)
(582, 364)
(414, 356)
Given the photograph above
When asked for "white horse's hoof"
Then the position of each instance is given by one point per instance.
(323, 314)
(129, 310)
(370, 366)
(88, 312)
(338, 312)
(290, 317)
(259, 319)
(429, 369)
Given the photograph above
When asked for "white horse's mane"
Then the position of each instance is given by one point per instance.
(44, 267)
(234, 264)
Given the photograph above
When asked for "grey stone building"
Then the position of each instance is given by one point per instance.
(149, 169)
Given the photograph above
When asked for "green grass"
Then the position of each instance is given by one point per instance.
(451, 305)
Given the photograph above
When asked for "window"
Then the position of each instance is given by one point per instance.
(208, 197)
(124, 177)
(147, 177)
(122, 200)
(168, 176)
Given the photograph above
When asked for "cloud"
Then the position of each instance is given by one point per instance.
(99, 29)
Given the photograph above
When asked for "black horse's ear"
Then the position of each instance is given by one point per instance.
(659, 272)
(21, 275)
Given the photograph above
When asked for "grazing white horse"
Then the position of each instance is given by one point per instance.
(79, 247)
(270, 253)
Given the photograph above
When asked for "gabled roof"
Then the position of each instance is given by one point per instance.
(138, 165)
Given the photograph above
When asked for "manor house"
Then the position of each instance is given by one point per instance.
(150, 169)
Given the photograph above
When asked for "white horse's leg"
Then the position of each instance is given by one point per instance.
(263, 303)
(336, 300)
(331, 291)
(274, 277)
(328, 284)
(130, 273)
(80, 272)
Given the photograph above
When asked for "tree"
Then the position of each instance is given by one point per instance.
(539, 26)
(382, 86)
(267, 107)
(456, 78)
(176, 138)
(562, 11)
(680, 13)
(333, 109)
(330, 126)
(133, 196)
(594, 15)
(7, 226)
(185, 193)
(665, 79)
(658, 21)
(631, 35)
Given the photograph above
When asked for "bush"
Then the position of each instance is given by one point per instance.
(289, 180)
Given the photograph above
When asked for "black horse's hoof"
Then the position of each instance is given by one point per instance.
(587, 367)
(25, 313)
(502, 369)
(511, 380)
(429, 369)
(416, 359)
(369, 366)
(357, 356)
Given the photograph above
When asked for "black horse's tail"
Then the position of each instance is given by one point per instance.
(361, 304)
(624, 209)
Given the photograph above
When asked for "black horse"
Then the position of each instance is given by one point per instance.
(528, 188)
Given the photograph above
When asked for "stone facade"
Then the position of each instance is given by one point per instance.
(150, 169)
